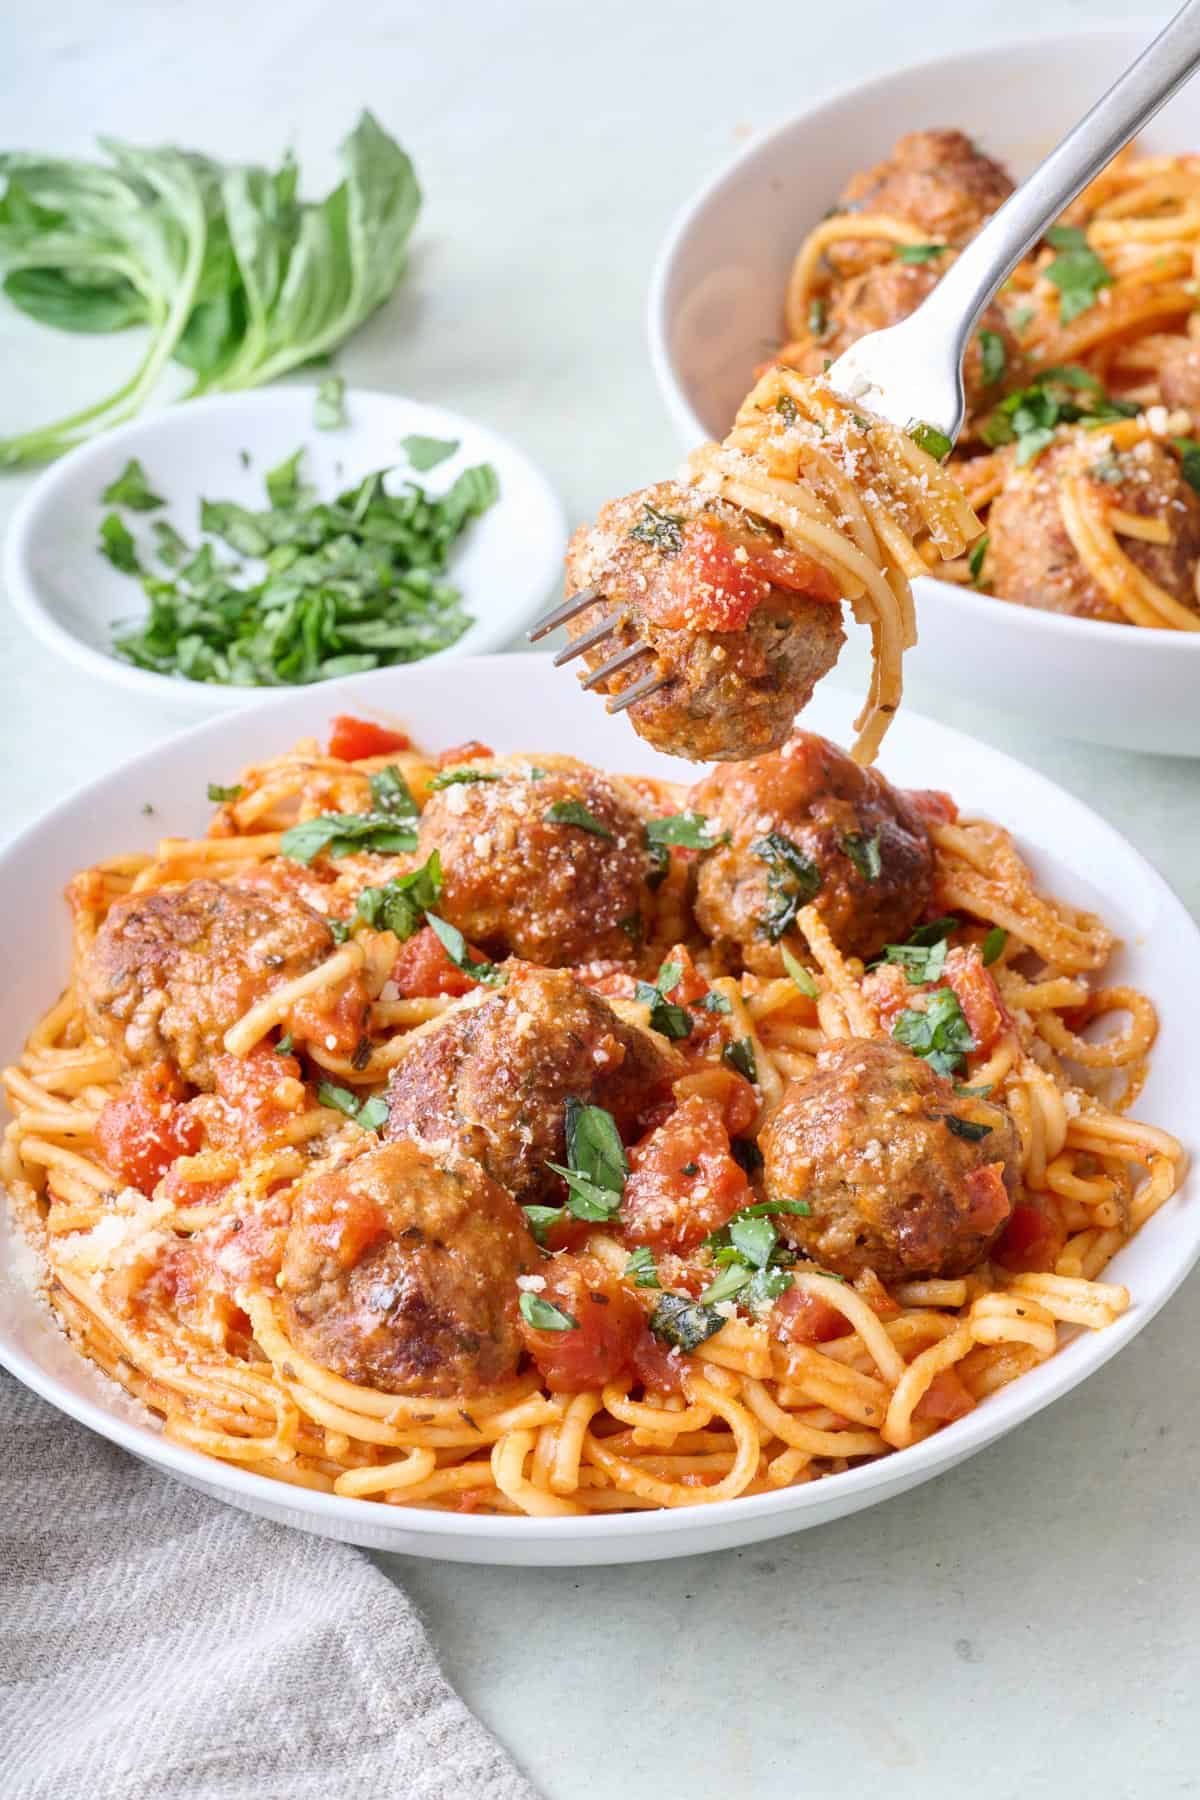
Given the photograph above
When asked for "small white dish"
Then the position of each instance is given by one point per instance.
(716, 311)
(518, 703)
(506, 564)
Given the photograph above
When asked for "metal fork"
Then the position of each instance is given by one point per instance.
(912, 372)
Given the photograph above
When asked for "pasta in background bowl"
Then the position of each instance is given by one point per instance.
(1072, 855)
(728, 283)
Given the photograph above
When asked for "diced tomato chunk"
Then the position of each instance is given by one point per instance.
(144, 1129)
(683, 1181)
(944, 1399)
(609, 1323)
(691, 985)
(353, 740)
(470, 751)
(979, 998)
(715, 583)
(803, 1318)
(1030, 1242)
(729, 1090)
(655, 1366)
(335, 1021)
(423, 969)
(988, 1204)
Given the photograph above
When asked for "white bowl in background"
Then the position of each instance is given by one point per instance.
(716, 310)
(506, 564)
(518, 703)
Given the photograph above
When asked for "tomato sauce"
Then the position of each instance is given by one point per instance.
(143, 1130)
(353, 740)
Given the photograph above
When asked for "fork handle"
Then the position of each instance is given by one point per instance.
(991, 256)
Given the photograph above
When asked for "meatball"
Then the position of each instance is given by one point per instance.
(807, 824)
(741, 627)
(492, 1081)
(401, 1274)
(1179, 374)
(884, 295)
(903, 1175)
(169, 972)
(542, 858)
(1031, 559)
(937, 180)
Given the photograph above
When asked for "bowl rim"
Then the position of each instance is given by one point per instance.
(213, 697)
(1002, 1412)
(679, 406)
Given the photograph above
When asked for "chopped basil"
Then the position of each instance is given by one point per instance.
(764, 1287)
(1020, 317)
(340, 834)
(993, 944)
(391, 794)
(740, 1056)
(339, 930)
(462, 778)
(764, 1209)
(729, 1282)
(169, 546)
(689, 829)
(642, 1269)
(585, 1199)
(927, 437)
(329, 408)
(131, 489)
(400, 905)
(1064, 395)
(975, 560)
(455, 945)
(684, 1324)
(940, 1033)
(753, 1237)
(690, 1168)
(966, 1128)
(542, 1315)
(221, 795)
(427, 452)
(672, 1021)
(574, 812)
(541, 1218)
(794, 880)
(787, 409)
(921, 962)
(798, 973)
(974, 1093)
(920, 253)
(864, 852)
(663, 530)
(716, 1003)
(284, 1046)
(1077, 272)
(594, 1146)
(936, 930)
(993, 357)
(284, 486)
(116, 542)
(370, 1114)
(818, 316)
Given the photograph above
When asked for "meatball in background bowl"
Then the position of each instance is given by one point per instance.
(716, 312)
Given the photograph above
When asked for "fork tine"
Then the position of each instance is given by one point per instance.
(619, 661)
(578, 646)
(575, 603)
(649, 684)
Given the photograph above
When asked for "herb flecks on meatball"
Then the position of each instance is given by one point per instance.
(903, 1175)
(806, 824)
(742, 627)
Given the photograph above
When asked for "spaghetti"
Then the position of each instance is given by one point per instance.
(206, 1343)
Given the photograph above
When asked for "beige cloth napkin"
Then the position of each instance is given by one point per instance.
(154, 1643)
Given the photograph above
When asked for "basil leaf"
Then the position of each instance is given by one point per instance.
(284, 486)
(754, 1237)
(116, 542)
(920, 253)
(369, 1114)
(763, 1209)
(940, 1033)
(993, 357)
(339, 929)
(794, 880)
(338, 834)
(131, 489)
(716, 1003)
(818, 316)
(220, 795)
(594, 1147)
(540, 1219)
(691, 830)
(1189, 461)
(684, 1324)
(764, 1288)
(585, 1199)
(1077, 272)
(427, 452)
(864, 852)
(740, 1056)
(642, 1269)
(574, 812)
(373, 1113)
(975, 559)
(672, 1021)
(168, 544)
(455, 945)
(746, 1154)
(787, 409)
(993, 944)
(798, 973)
(329, 407)
(935, 931)
(728, 1283)
(966, 1128)
(391, 795)
(928, 438)
(284, 1046)
(542, 1315)
(461, 778)
(400, 905)
(921, 963)
(663, 530)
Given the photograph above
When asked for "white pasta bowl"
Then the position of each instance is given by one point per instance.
(505, 565)
(716, 311)
(1073, 852)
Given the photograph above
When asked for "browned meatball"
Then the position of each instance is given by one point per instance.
(937, 180)
(169, 972)
(890, 291)
(1179, 374)
(1031, 559)
(492, 1081)
(401, 1274)
(542, 858)
(870, 1142)
(742, 627)
(807, 824)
